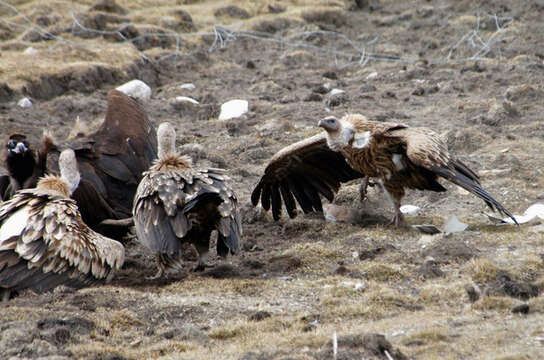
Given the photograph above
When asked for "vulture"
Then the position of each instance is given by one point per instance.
(44, 241)
(23, 165)
(176, 203)
(111, 162)
(396, 156)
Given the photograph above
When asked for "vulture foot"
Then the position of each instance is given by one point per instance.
(158, 275)
(398, 219)
(202, 266)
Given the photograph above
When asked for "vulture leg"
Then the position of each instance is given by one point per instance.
(160, 267)
(395, 194)
(5, 295)
(362, 188)
(202, 248)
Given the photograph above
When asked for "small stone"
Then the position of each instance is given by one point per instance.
(473, 293)
(24, 103)
(275, 8)
(322, 89)
(521, 309)
(453, 225)
(409, 209)
(30, 51)
(372, 75)
(516, 93)
(427, 229)
(367, 88)
(330, 75)
(289, 98)
(259, 316)
(430, 269)
(336, 100)
(313, 97)
(187, 86)
(419, 91)
(137, 89)
(336, 92)
(233, 109)
(184, 104)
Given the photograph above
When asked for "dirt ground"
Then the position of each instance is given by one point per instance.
(471, 70)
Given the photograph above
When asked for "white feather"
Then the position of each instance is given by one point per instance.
(397, 160)
(361, 141)
(14, 224)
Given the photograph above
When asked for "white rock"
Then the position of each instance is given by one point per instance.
(137, 89)
(30, 51)
(233, 109)
(24, 103)
(336, 92)
(181, 99)
(410, 209)
(372, 75)
(453, 225)
(187, 86)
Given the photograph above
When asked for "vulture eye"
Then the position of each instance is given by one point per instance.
(11, 144)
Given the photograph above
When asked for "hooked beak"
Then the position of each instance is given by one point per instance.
(19, 149)
(329, 124)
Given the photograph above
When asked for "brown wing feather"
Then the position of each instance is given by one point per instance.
(54, 246)
(173, 200)
(302, 171)
(112, 160)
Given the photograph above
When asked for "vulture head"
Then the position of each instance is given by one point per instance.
(69, 178)
(20, 159)
(68, 169)
(17, 145)
(166, 144)
(339, 133)
(166, 136)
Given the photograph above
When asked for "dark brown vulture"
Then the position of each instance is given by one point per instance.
(396, 155)
(111, 162)
(176, 203)
(23, 165)
(44, 241)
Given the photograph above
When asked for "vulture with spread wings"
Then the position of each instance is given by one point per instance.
(396, 155)
(177, 203)
(111, 162)
(44, 241)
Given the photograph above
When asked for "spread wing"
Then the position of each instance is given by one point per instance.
(302, 171)
(427, 149)
(44, 243)
(165, 202)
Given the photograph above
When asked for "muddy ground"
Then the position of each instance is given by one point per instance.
(471, 70)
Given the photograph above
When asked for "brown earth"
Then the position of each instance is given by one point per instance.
(450, 65)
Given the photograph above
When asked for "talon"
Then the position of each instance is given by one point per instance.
(158, 275)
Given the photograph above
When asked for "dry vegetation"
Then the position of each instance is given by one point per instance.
(297, 282)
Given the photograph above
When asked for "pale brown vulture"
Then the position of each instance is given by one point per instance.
(44, 241)
(396, 155)
(177, 203)
(111, 162)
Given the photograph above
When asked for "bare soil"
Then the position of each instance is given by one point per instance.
(470, 295)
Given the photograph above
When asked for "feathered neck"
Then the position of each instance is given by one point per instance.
(54, 184)
(172, 162)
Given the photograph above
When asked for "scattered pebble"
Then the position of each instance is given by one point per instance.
(372, 75)
(410, 209)
(313, 97)
(453, 225)
(473, 293)
(521, 309)
(24, 103)
(336, 92)
(259, 315)
(233, 109)
(427, 228)
(137, 89)
(30, 51)
(187, 86)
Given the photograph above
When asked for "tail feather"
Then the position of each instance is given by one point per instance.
(472, 185)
